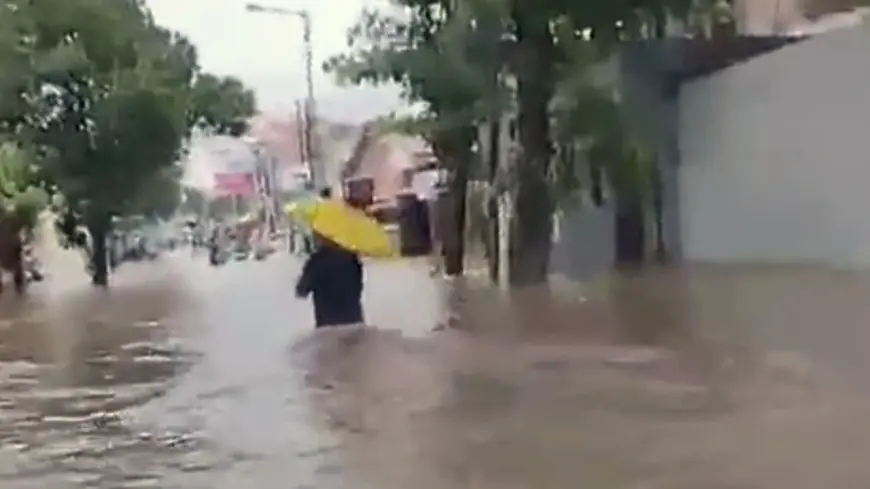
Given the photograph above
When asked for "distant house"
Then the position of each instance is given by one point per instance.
(278, 138)
(773, 162)
(761, 144)
(388, 159)
(283, 139)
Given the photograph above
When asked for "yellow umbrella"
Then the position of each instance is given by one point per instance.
(345, 226)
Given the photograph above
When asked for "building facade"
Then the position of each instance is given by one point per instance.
(760, 145)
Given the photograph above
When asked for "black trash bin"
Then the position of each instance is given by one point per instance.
(415, 236)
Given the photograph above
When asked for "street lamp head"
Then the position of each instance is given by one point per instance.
(264, 9)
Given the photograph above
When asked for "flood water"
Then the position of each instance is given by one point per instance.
(186, 376)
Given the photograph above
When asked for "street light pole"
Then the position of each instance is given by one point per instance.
(311, 154)
(316, 176)
(264, 182)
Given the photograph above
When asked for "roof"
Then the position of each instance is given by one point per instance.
(702, 57)
(386, 158)
(678, 60)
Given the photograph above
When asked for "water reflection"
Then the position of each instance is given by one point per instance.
(71, 365)
(677, 379)
(703, 377)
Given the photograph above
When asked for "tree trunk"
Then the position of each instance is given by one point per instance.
(531, 231)
(596, 184)
(453, 148)
(492, 251)
(629, 233)
(661, 251)
(492, 30)
(454, 252)
(19, 278)
(99, 229)
(13, 254)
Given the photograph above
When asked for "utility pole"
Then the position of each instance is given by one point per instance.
(301, 131)
(311, 153)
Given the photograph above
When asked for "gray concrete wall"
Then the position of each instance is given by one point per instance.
(775, 156)
(584, 247)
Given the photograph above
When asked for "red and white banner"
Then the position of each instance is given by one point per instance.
(234, 184)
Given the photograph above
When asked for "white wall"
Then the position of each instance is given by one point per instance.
(776, 156)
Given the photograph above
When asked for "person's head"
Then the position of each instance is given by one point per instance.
(319, 240)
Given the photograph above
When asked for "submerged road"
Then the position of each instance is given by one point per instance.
(181, 375)
(186, 376)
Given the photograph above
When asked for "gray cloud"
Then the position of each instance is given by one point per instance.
(266, 51)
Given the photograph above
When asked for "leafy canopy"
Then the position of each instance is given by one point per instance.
(107, 96)
(20, 196)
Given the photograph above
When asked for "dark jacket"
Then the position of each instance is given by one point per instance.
(335, 278)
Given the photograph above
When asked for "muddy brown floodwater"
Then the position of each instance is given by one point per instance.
(186, 376)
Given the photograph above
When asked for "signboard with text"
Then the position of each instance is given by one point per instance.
(234, 184)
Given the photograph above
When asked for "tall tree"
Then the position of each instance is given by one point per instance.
(110, 100)
(193, 201)
(424, 48)
(160, 195)
(441, 53)
(221, 104)
(21, 196)
(115, 115)
(534, 71)
(601, 26)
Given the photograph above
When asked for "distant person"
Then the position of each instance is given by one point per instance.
(334, 277)
(214, 246)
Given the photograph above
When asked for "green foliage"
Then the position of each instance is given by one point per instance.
(455, 56)
(116, 112)
(161, 194)
(107, 97)
(221, 104)
(19, 194)
(27, 206)
(194, 201)
(588, 129)
(435, 50)
(104, 101)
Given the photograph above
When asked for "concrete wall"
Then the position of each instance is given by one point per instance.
(774, 156)
(583, 247)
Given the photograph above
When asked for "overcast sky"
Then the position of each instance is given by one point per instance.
(265, 51)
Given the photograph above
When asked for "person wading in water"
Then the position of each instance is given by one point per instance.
(333, 276)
